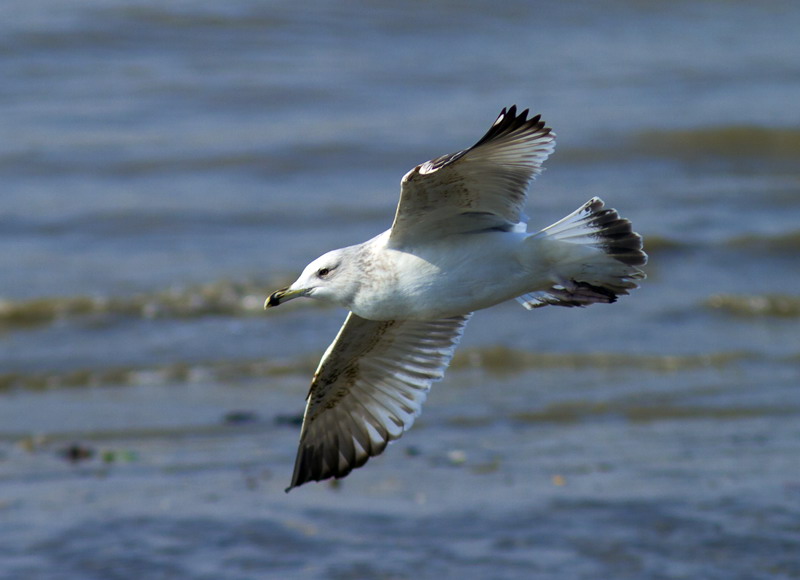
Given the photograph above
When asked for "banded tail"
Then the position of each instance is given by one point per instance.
(594, 254)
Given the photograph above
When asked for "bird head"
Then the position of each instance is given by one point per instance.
(323, 279)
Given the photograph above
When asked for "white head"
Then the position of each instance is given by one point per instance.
(329, 278)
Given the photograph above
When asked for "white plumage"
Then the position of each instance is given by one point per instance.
(458, 243)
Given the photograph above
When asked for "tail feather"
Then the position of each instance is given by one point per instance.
(598, 255)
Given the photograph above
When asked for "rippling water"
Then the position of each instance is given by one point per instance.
(165, 166)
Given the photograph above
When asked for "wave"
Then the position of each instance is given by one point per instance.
(658, 244)
(740, 143)
(173, 373)
(504, 360)
(575, 411)
(776, 305)
(777, 243)
(734, 141)
(223, 297)
(246, 298)
(492, 360)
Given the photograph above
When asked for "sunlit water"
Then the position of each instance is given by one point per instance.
(165, 166)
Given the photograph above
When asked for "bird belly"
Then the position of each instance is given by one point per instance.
(453, 276)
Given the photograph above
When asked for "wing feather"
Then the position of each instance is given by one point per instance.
(479, 188)
(368, 389)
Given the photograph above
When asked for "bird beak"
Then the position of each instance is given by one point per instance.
(283, 295)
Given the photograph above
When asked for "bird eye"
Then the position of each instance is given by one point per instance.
(323, 272)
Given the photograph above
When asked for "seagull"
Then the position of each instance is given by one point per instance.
(459, 243)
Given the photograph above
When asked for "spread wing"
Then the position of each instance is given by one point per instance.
(480, 188)
(368, 389)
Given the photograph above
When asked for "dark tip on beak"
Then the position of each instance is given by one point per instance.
(275, 298)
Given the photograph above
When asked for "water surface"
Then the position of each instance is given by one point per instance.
(166, 166)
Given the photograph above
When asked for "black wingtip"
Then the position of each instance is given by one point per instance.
(509, 121)
(506, 112)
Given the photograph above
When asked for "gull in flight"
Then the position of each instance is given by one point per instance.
(459, 243)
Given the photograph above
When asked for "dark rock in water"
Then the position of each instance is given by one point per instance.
(76, 452)
(289, 420)
(413, 451)
(240, 417)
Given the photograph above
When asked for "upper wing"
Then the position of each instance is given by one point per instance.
(479, 188)
(369, 387)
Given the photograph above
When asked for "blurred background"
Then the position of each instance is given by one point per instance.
(165, 166)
